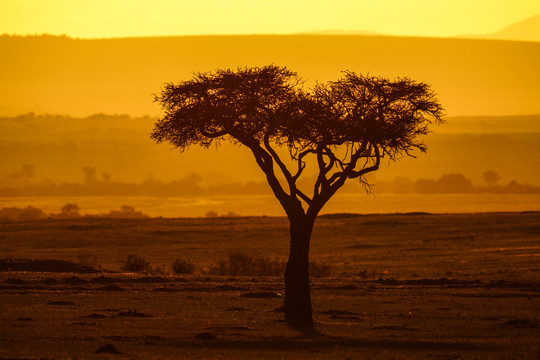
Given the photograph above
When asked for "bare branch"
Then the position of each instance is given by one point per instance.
(301, 167)
(265, 162)
(304, 197)
(290, 179)
(365, 170)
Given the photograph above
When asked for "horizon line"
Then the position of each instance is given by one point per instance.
(329, 33)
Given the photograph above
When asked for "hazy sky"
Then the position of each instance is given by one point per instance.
(121, 18)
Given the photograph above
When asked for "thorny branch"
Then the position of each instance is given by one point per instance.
(347, 125)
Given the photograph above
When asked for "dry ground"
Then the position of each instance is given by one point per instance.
(438, 286)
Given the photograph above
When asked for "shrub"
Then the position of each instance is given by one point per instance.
(181, 266)
(160, 270)
(135, 263)
(364, 275)
(239, 264)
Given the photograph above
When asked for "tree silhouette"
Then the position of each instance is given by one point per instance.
(342, 129)
(490, 177)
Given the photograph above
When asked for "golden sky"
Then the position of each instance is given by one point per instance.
(126, 18)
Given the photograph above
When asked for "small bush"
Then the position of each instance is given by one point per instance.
(181, 266)
(239, 264)
(135, 263)
(159, 270)
(364, 275)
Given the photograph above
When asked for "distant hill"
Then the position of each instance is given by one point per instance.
(525, 30)
(528, 29)
(49, 74)
(55, 149)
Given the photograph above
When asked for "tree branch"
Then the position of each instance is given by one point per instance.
(290, 203)
(304, 197)
(277, 159)
(346, 170)
(301, 162)
(265, 162)
(365, 170)
(214, 134)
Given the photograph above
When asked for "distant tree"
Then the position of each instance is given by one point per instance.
(126, 212)
(454, 184)
(70, 210)
(89, 175)
(491, 177)
(343, 129)
(106, 177)
(27, 172)
(211, 214)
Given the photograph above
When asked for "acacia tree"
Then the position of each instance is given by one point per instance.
(342, 129)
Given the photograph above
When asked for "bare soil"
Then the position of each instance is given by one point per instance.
(403, 286)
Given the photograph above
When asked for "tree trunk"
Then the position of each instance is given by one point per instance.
(297, 305)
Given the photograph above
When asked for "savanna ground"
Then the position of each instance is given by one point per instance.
(402, 286)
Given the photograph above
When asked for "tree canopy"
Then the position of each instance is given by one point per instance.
(347, 126)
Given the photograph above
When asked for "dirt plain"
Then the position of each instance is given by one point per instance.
(403, 286)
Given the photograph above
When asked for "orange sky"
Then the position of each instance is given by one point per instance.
(106, 18)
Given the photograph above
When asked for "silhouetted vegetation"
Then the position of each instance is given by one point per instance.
(126, 212)
(240, 264)
(490, 177)
(181, 266)
(134, 263)
(52, 155)
(68, 211)
(342, 129)
(450, 184)
(26, 214)
(213, 214)
(190, 186)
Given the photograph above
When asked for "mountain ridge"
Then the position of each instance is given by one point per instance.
(525, 30)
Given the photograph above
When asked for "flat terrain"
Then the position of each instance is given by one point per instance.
(402, 286)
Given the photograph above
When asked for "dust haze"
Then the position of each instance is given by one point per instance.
(60, 100)
(118, 245)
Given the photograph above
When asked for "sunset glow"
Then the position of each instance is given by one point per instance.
(177, 176)
(104, 18)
